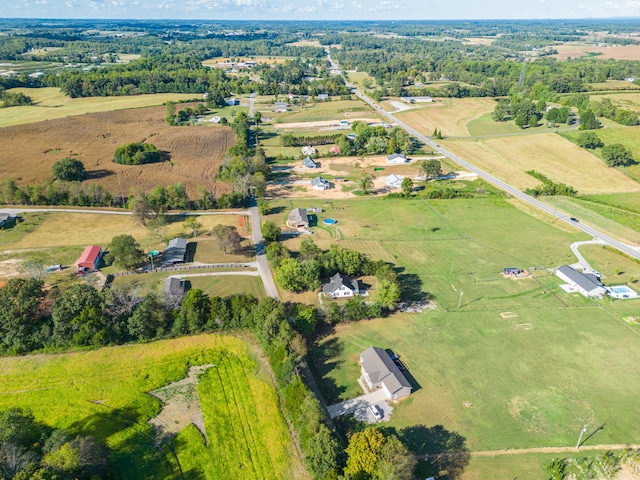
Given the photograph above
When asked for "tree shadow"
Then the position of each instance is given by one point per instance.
(441, 453)
(96, 174)
(165, 156)
(277, 209)
(105, 423)
(323, 361)
(411, 287)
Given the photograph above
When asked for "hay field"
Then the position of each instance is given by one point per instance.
(51, 103)
(618, 52)
(104, 393)
(550, 154)
(450, 115)
(194, 153)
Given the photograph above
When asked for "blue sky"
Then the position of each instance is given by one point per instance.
(319, 9)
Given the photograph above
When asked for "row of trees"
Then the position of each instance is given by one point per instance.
(616, 154)
(32, 450)
(549, 187)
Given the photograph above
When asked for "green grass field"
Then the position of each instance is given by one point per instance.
(532, 362)
(103, 393)
(336, 109)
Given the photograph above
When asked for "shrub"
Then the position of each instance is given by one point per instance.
(136, 153)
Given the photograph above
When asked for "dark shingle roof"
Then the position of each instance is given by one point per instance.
(298, 216)
(337, 281)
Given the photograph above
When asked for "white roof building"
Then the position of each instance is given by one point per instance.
(394, 181)
(587, 284)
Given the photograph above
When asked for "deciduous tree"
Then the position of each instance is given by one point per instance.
(125, 252)
(69, 169)
(617, 155)
(227, 238)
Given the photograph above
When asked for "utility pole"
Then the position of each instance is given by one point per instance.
(460, 298)
(582, 432)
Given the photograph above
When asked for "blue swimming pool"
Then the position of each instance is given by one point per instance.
(622, 291)
(329, 221)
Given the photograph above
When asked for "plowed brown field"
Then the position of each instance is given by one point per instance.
(193, 154)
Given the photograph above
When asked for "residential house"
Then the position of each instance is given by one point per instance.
(280, 107)
(90, 258)
(309, 150)
(232, 102)
(417, 99)
(309, 162)
(175, 252)
(394, 181)
(340, 286)
(511, 271)
(334, 149)
(320, 183)
(380, 371)
(323, 97)
(587, 284)
(298, 218)
(396, 159)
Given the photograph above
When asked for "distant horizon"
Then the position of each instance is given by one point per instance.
(322, 10)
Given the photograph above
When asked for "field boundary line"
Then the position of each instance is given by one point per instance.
(525, 451)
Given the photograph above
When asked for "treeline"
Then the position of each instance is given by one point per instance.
(80, 315)
(13, 99)
(549, 187)
(376, 140)
(32, 450)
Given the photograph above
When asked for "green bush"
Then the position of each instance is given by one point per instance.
(136, 153)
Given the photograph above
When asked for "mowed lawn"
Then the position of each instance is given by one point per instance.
(449, 115)
(51, 103)
(509, 158)
(103, 393)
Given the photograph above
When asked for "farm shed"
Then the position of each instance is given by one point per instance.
(298, 218)
(511, 271)
(5, 219)
(280, 106)
(340, 286)
(587, 284)
(394, 181)
(174, 288)
(379, 371)
(396, 159)
(320, 183)
(90, 258)
(175, 252)
(417, 99)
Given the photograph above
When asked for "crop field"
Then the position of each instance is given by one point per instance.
(450, 115)
(580, 49)
(519, 364)
(333, 110)
(509, 158)
(103, 393)
(193, 154)
(51, 103)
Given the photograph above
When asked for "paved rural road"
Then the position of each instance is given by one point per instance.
(632, 251)
(261, 257)
(16, 211)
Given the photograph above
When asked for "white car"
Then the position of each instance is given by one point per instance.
(376, 411)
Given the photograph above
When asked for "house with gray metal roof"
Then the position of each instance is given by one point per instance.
(309, 162)
(396, 158)
(175, 252)
(380, 371)
(587, 284)
(340, 286)
(320, 183)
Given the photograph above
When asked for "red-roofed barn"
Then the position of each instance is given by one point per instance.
(90, 257)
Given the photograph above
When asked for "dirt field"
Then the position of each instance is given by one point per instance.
(193, 153)
(550, 154)
(619, 52)
(449, 115)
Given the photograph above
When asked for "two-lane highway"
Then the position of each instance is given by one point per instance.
(632, 251)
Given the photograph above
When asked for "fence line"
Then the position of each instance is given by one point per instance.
(184, 268)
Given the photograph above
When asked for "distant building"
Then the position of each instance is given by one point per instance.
(394, 181)
(323, 97)
(340, 286)
(175, 252)
(396, 158)
(380, 371)
(298, 218)
(215, 120)
(280, 107)
(309, 163)
(417, 99)
(334, 149)
(174, 288)
(5, 219)
(90, 258)
(344, 123)
(587, 284)
(308, 150)
(320, 183)
(232, 102)
(513, 271)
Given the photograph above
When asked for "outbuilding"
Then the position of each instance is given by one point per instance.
(379, 371)
(175, 252)
(396, 159)
(587, 284)
(394, 181)
(309, 162)
(90, 258)
(5, 219)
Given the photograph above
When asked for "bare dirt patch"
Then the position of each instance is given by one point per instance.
(193, 154)
(181, 405)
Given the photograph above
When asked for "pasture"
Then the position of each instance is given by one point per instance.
(322, 111)
(104, 393)
(192, 154)
(509, 158)
(51, 104)
(519, 364)
(450, 115)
